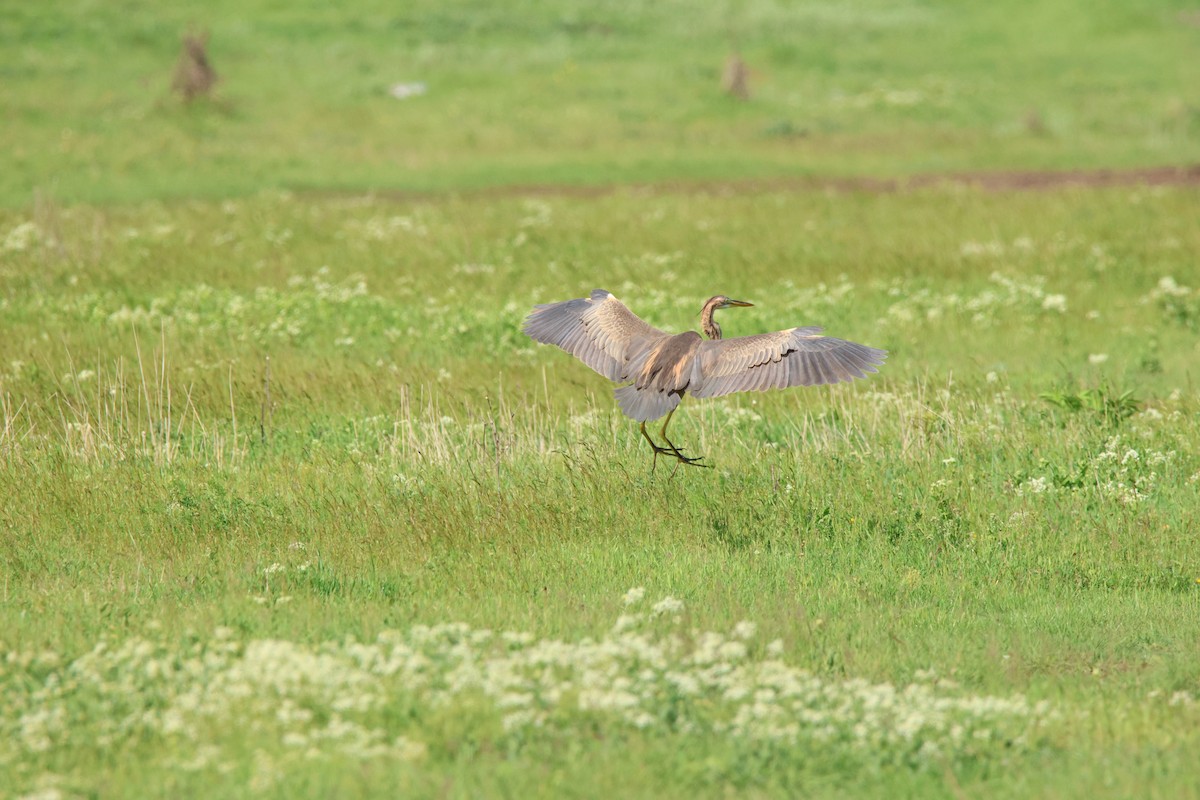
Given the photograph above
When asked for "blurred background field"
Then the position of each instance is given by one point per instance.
(290, 507)
(584, 93)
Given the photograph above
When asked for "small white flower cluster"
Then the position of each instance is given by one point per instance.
(1167, 287)
(21, 238)
(668, 605)
(1181, 698)
(265, 315)
(474, 268)
(634, 596)
(340, 698)
(934, 93)
(728, 414)
(1007, 294)
(1055, 302)
(1178, 302)
(1118, 472)
(1124, 475)
(1038, 485)
(974, 249)
(538, 214)
(383, 229)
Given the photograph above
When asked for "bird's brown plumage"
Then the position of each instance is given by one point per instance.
(660, 368)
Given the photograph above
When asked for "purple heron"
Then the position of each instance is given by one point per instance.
(660, 367)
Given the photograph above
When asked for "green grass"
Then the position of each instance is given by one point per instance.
(972, 510)
(582, 93)
(290, 507)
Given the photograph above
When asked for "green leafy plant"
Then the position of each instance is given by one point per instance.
(1109, 404)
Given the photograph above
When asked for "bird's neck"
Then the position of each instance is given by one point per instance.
(709, 325)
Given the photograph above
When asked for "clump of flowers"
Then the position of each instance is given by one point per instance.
(1119, 471)
(1004, 295)
(647, 673)
(20, 238)
(1178, 302)
(266, 315)
(1126, 474)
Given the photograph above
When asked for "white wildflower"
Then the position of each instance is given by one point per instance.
(643, 720)
(1167, 286)
(21, 237)
(309, 701)
(47, 793)
(668, 605)
(745, 630)
(1037, 485)
(1055, 302)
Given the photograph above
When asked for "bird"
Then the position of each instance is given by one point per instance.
(658, 368)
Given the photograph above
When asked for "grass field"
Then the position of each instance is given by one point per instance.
(421, 463)
(583, 93)
(290, 507)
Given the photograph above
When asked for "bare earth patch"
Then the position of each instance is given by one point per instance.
(992, 181)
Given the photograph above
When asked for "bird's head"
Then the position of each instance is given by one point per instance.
(707, 324)
(721, 301)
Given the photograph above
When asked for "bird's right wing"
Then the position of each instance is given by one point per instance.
(598, 330)
(794, 357)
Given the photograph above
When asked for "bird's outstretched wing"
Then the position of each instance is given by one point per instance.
(598, 330)
(795, 357)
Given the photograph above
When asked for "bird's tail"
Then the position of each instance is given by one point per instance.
(644, 405)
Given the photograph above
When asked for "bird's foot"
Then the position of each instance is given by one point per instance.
(678, 453)
(691, 461)
(675, 452)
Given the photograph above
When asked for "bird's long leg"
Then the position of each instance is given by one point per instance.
(656, 448)
(672, 451)
(675, 451)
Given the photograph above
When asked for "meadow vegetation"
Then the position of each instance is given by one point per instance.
(290, 507)
(572, 92)
(412, 566)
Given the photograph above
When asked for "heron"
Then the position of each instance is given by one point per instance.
(659, 368)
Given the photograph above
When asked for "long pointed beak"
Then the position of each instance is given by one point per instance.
(740, 303)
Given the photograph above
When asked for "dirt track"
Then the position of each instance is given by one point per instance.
(1006, 181)
(998, 181)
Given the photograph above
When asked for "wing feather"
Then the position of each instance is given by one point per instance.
(598, 330)
(794, 357)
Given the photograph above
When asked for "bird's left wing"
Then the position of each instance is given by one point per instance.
(794, 357)
(598, 330)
